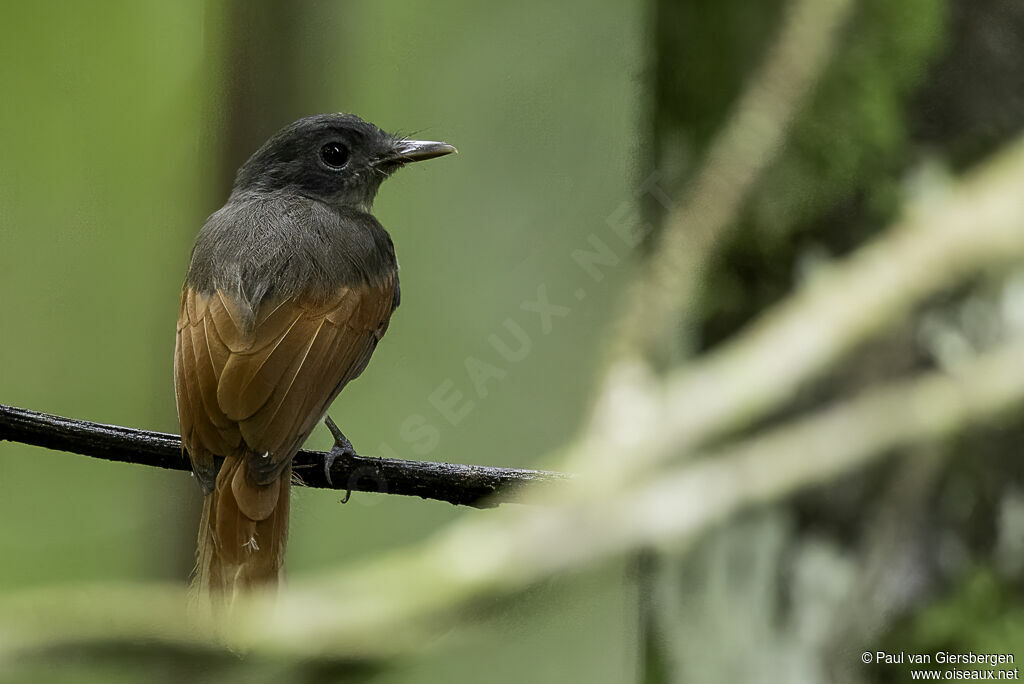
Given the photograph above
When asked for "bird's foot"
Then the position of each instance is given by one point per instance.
(342, 449)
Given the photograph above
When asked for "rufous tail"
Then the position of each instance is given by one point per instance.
(242, 534)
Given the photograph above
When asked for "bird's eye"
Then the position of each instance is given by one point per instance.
(334, 155)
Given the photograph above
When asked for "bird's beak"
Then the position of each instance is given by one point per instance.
(418, 150)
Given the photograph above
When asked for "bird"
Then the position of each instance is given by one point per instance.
(290, 286)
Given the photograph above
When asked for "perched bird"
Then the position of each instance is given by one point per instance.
(291, 285)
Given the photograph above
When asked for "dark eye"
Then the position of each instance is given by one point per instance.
(334, 154)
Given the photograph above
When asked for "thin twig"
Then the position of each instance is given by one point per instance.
(464, 485)
(746, 145)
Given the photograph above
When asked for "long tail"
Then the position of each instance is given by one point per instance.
(242, 534)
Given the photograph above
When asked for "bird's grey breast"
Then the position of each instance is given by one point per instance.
(281, 244)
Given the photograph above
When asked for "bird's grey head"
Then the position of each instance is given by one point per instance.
(338, 159)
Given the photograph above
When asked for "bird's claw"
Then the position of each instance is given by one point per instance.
(342, 449)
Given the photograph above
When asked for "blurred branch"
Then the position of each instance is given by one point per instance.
(953, 233)
(816, 449)
(466, 485)
(740, 152)
(749, 141)
(384, 606)
(676, 505)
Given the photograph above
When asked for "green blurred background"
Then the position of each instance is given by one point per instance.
(122, 127)
(123, 123)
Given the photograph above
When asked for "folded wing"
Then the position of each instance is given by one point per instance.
(256, 385)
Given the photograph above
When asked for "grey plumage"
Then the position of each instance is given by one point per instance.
(293, 224)
(279, 243)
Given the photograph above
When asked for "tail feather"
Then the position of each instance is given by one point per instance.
(242, 533)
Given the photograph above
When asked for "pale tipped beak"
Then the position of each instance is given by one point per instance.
(419, 150)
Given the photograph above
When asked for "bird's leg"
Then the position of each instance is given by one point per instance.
(342, 448)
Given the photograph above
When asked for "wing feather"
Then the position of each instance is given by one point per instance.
(255, 384)
(277, 418)
(204, 375)
(250, 377)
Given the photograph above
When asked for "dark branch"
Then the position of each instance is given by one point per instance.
(467, 485)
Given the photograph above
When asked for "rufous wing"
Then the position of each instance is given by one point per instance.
(258, 382)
